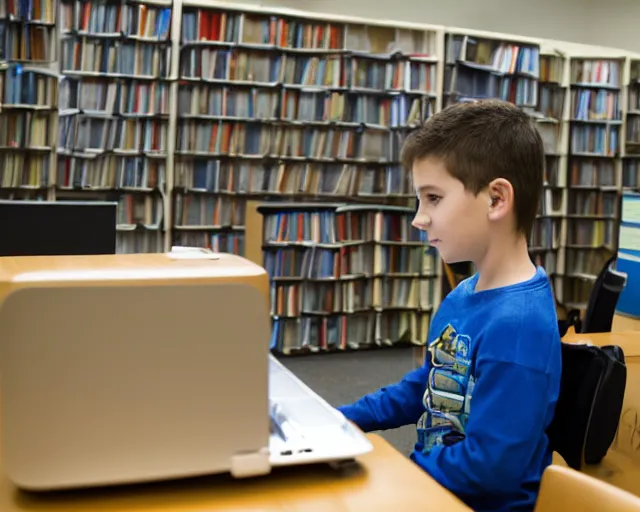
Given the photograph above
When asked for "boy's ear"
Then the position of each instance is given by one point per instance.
(501, 199)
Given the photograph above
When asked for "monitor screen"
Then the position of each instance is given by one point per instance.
(57, 228)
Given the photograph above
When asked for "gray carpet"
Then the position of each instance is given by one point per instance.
(344, 377)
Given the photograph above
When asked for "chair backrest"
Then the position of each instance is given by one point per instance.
(590, 402)
(601, 307)
(603, 299)
(563, 489)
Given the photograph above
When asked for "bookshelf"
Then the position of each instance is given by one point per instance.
(482, 65)
(115, 65)
(533, 76)
(594, 171)
(307, 114)
(286, 105)
(630, 171)
(28, 99)
(346, 277)
(29, 32)
(548, 237)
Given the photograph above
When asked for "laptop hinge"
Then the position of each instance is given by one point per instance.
(244, 465)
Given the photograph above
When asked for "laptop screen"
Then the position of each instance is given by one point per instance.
(43, 228)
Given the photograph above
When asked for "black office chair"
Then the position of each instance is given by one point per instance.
(593, 379)
(602, 302)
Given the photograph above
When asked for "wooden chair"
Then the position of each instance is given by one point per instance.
(563, 489)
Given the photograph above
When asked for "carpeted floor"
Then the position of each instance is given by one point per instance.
(344, 377)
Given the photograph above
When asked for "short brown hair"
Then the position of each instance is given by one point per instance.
(482, 141)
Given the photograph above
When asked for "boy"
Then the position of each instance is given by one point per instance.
(488, 388)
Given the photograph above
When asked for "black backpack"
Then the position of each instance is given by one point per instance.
(590, 403)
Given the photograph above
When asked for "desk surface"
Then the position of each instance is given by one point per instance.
(384, 480)
(629, 340)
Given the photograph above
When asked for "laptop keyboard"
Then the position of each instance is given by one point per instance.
(296, 402)
(304, 426)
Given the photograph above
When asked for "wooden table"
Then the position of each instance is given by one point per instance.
(625, 323)
(384, 480)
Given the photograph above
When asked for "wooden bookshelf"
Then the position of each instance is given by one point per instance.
(530, 74)
(286, 105)
(346, 277)
(631, 158)
(547, 240)
(114, 112)
(27, 131)
(481, 65)
(594, 171)
(28, 99)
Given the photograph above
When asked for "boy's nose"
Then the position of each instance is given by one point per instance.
(421, 221)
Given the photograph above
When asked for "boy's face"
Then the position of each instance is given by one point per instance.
(455, 220)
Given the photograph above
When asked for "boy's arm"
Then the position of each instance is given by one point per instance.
(508, 412)
(391, 406)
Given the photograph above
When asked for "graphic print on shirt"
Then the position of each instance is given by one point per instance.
(447, 398)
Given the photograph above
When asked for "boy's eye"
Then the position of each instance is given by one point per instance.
(432, 198)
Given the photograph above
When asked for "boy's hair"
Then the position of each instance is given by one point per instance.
(481, 141)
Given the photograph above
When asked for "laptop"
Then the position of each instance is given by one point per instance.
(143, 367)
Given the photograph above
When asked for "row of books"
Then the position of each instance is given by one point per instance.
(24, 170)
(111, 172)
(330, 224)
(26, 130)
(588, 233)
(392, 110)
(596, 73)
(493, 55)
(344, 262)
(352, 71)
(595, 140)
(206, 212)
(590, 203)
(585, 262)
(114, 97)
(592, 173)
(595, 105)
(32, 41)
(114, 57)
(257, 138)
(21, 86)
(139, 241)
(98, 134)
(286, 32)
(43, 11)
(143, 20)
(293, 299)
(140, 210)
(247, 177)
(308, 334)
(551, 101)
(468, 83)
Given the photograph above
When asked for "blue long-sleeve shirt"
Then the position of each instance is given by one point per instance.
(485, 395)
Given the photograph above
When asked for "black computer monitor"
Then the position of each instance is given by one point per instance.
(57, 228)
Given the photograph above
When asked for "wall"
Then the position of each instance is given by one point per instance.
(612, 23)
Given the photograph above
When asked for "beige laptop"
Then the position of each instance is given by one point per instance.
(130, 368)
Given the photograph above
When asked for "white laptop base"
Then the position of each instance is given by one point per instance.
(121, 384)
(307, 429)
